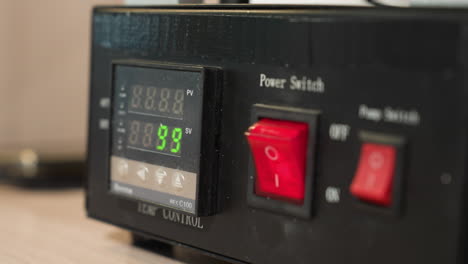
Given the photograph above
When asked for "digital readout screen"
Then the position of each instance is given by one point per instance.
(156, 135)
(160, 138)
(157, 101)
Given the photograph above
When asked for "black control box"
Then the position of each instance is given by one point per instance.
(283, 134)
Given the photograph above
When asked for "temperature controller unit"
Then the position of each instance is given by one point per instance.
(283, 134)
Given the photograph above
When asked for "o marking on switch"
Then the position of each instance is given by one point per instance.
(271, 152)
(376, 160)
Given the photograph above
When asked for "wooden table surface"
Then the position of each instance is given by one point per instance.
(38, 226)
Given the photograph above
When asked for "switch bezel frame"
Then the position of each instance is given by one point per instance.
(309, 116)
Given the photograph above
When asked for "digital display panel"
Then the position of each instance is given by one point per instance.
(151, 100)
(156, 134)
(159, 138)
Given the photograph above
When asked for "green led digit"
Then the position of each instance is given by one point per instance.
(176, 137)
(162, 134)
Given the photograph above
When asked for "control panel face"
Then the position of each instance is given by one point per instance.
(156, 135)
(291, 135)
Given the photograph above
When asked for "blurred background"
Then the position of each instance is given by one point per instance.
(44, 58)
(44, 72)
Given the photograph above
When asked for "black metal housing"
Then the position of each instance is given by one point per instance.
(410, 64)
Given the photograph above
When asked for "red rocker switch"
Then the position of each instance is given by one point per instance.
(279, 150)
(373, 181)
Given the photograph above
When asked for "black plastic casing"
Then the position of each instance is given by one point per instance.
(409, 64)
